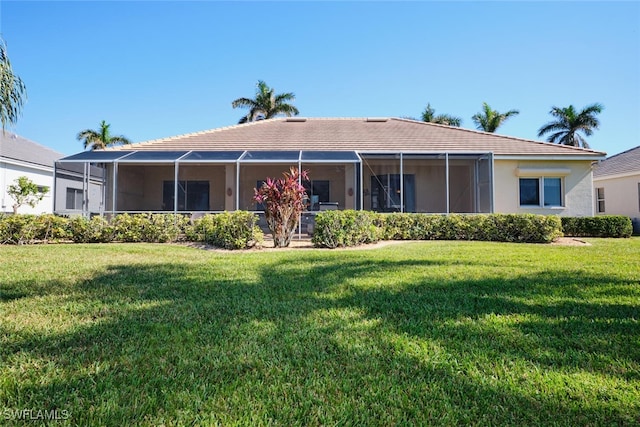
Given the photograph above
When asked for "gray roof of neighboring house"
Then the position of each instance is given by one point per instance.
(15, 147)
(619, 164)
(359, 134)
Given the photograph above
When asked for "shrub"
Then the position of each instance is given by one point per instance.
(346, 228)
(26, 229)
(523, 228)
(598, 226)
(228, 230)
(283, 201)
(333, 229)
(150, 228)
(94, 230)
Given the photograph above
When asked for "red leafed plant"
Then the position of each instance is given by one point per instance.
(283, 200)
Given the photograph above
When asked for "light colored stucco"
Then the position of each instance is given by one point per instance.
(621, 194)
(41, 176)
(576, 180)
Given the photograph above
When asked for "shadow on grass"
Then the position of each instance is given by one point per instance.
(306, 343)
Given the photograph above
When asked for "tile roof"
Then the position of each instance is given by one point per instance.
(15, 147)
(360, 134)
(623, 163)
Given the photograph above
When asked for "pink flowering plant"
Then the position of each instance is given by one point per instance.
(283, 200)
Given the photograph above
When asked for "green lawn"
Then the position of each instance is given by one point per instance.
(433, 333)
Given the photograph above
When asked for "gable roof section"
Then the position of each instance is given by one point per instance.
(627, 162)
(15, 147)
(359, 134)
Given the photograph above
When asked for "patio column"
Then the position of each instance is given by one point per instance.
(238, 183)
(85, 191)
(401, 183)
(361, 184)
(55, 174)
(175, 187)
(115, 188)
(446, 166)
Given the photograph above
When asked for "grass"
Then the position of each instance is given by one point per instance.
(433, 333)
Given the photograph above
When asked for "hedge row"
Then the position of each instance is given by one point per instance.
(598, 226)
(229, 230)
(348, 228)
(239, 230)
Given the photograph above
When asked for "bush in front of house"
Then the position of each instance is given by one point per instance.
(598, 226)
(338, 228)
(335, 229)
(27, 229)
(149, 227)
(521, 228)
(283, 200)
(90, 230)
(228, 230)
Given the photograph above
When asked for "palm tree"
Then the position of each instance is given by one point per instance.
(266, 104)
(490, 120)
(569, 122)
(13, 92)
(102, 138)
(429, 116)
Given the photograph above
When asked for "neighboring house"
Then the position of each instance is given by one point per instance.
(616, 183)
(22, 157)
(380, 164)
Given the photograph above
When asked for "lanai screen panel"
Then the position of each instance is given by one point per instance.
(212, 157)
(274, 156)
(329, 157)
(426, 182)
(95, 157)
(153, 157)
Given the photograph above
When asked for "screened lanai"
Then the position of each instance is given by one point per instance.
(215, 181)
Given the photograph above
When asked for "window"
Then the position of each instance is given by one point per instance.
(74, 199)
(318, 192)
(600, 199)
(192, 195)
(546, 191)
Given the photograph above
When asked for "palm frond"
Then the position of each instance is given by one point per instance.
(266, 104)
(13, 91)
(243, 102)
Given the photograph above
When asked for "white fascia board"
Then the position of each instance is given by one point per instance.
(616, 176)
(26, 164)
(543, 158)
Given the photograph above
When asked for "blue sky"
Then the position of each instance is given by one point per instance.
(158, 69)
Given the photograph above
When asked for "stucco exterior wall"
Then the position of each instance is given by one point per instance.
(577, 186)
(621, 195)
(9, 172)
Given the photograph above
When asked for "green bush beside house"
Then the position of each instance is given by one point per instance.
(239, 229)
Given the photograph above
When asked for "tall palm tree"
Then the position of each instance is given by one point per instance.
(429, 115)
(266, 104)
(489, 120)
(13, 92)
(101, 138)
(569, 122)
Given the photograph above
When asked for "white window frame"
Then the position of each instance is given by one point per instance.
(76, 192)
(600, 199)
(541, 192)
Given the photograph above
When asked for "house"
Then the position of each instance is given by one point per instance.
(22, 157)
(616, 183)
(379, 164)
